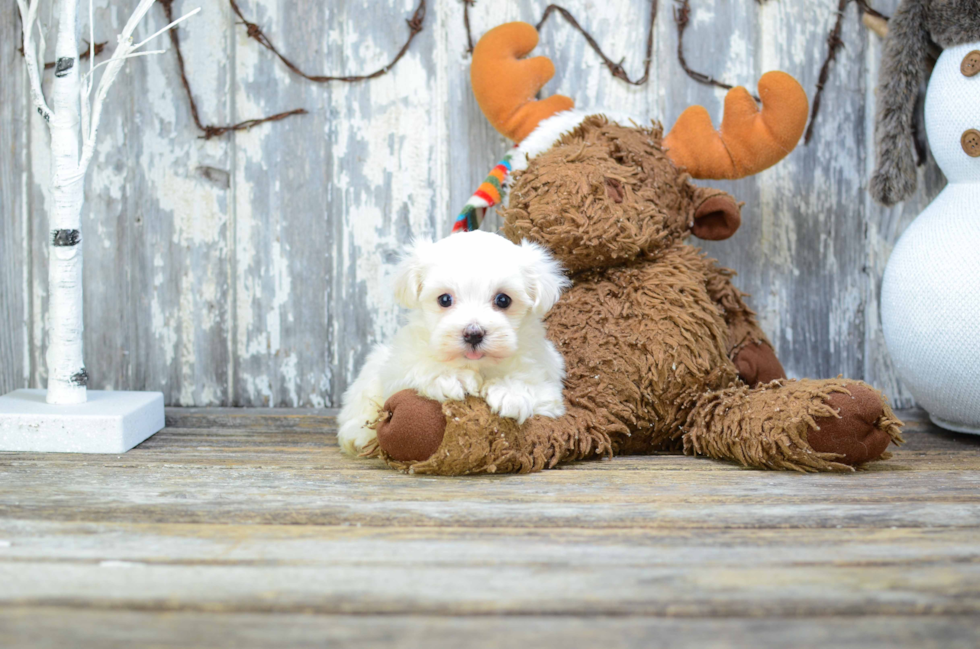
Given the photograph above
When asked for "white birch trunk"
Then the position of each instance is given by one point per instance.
(73, 124)
(67, 378)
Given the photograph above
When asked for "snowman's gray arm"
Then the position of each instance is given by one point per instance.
(902, 70)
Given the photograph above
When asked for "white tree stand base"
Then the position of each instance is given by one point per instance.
(109, 422)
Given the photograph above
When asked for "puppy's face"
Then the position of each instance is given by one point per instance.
(475, 290)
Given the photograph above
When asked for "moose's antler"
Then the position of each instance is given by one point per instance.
(505, 84)
(749, 140)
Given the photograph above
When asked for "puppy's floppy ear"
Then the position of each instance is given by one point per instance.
(543, 277)
(410, 274)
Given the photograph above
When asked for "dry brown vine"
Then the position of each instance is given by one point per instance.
(255, 31)
(682, 16)
(212, 130)
(415, 23)
(616, 69)
(834, 44)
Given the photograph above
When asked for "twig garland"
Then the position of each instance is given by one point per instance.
(255, 32)
(212, 130)
(834, 44)
(616, 69)
(466, 23)
(682, 16)
(681, 19)
(681, 12)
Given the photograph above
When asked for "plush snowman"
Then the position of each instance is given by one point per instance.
(930, 296)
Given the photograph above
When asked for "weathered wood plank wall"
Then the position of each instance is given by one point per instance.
(14, 311)
(253, 269)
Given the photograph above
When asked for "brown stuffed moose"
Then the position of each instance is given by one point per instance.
(662, 353)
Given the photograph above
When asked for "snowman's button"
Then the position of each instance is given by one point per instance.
(971, 64)
(971, 142)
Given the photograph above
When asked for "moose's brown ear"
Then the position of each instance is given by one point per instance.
(717, 217)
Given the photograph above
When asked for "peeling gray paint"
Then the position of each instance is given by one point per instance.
(254, 269)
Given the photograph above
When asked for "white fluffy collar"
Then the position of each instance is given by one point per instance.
(551, 129)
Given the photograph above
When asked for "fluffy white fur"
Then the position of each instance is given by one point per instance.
(551, 129)
(514, 367)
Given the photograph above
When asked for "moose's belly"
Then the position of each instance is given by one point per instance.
(641, 343)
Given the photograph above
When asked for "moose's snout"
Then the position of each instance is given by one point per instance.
(473, 335)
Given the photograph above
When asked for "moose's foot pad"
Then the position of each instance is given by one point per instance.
(857, 433)
(412, 427)
(108, 422)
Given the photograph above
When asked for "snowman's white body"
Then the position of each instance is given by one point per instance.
(930, 296)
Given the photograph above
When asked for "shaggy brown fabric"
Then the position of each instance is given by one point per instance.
(653, 333)
(768, 427)
(476, 441)
(804, 426)
(641, 344)
(743, 329)
(563, 198)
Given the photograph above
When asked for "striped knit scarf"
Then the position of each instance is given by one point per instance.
(489, 193)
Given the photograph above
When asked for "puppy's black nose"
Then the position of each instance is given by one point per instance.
(473, 335)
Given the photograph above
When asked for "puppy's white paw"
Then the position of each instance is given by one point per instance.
(354, 436)
(511, 400)
(472, 381)
(451, 387)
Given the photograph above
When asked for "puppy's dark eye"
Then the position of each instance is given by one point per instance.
(502, 301)
(445, 300)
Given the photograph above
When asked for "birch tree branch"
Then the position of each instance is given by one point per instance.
(124, 50)
(28, 14)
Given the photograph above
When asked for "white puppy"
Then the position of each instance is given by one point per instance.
(477, 301)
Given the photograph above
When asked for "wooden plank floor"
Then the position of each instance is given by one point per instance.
(249, 528)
